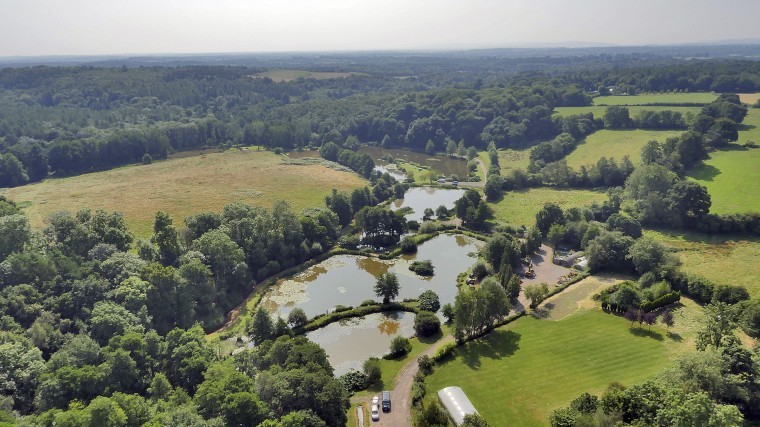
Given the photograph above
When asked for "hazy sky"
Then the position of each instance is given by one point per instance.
(74, 27)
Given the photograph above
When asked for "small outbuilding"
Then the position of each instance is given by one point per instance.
(456, 403)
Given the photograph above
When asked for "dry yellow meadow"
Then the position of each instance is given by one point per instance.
(185, 186)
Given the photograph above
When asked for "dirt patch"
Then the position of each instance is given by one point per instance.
(577, 297)
(749, 98)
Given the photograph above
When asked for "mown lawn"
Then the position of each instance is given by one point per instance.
(185, 186)
(657, 98)
(521, 372)
(729, 260)
(520, 207)
(732, 175)
(615, 143)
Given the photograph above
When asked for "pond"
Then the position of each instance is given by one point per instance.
(442, 164)
(419, 198)
(349, 279)
(348, 343)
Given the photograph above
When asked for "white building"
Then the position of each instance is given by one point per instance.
(456, 403)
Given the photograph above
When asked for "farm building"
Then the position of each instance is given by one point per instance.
(456, 403)
(566, 259)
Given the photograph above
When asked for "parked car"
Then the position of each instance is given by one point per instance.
(386, 401)
(375, 413)
(376, 400)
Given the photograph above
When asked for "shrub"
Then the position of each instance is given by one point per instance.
(448, 312)
(426, 324)
(354, 381)
(428, 227)
(426, 364)
(445, 351)
(423, 268)
(399, 347)
(297, 318)
(372, 370)
(418, 391)
(480, 270)
(369, 302)
(340, 308)
(429, 301)
(729, 294)
(349, 242)
(147, 159)
(408, 245)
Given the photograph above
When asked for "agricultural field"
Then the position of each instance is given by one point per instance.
(279, 76)
(511, 159)
(615, 143)
(732, 176)
(184, 187)
(657, 98)
(520, 207)
(749, 98)
(728, 260)
(519, 373)
(599, 110)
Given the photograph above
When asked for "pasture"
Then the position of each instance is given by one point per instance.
(279, 76)
(520, 207)
(657, 98)
(520, 372)
(615, 143)
(732, 175)
(184, 187)
(598, 110)
(728, 260)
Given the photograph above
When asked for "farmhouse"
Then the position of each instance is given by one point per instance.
(456, 403)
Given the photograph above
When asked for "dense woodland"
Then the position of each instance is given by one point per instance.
(101, 329)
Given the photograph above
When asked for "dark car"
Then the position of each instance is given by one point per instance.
(386, 401)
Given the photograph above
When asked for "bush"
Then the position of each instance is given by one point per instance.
(297, 318)
(399, 347)
(426, 364)
(423, 268)
(426, 324)
(372, 370)
(730, 294)
(147, 159)
(429, 301)
(369, 302)
(341, 308)
(445, 351)
(428, 227)
(480, 270)
(408, 245)
(349, 242)
(448, 312)
(354, 381)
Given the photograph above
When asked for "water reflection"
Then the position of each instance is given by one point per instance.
(349, 280)
(421, 198)
(350, 342)
(442, 164)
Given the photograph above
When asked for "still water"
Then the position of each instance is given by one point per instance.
(349, 279)
(442, 164)
(348, 343)
(420, 198)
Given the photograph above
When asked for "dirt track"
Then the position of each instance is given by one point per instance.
(401, 395)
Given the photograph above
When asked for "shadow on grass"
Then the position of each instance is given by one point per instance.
(544, 311)
(432, 338)
(705, 172)
(498, 344)
(745, 127)
(674, 336)
(641, 332)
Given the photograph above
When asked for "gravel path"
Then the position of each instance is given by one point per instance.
(401, 395)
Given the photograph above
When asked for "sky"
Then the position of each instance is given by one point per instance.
(98, 27)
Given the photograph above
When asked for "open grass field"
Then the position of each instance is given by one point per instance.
(633, 110)
(749, 98)
(729, 260)
(520, 373)
(732, 176)
(184, 187)
(657, 98)
(614, 143)
(279, 76)
(520, 207)
(511, 159)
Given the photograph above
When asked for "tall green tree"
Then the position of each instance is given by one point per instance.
(387, 287)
